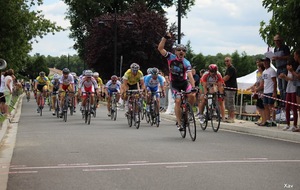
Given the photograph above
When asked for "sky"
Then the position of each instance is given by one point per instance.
(212, 26)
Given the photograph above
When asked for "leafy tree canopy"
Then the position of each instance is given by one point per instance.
(82, 13)
(20, 25)
(285, 21)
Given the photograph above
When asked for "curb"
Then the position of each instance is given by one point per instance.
(7, 121)
(250, 128)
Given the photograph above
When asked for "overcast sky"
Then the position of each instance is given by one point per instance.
(212, 26)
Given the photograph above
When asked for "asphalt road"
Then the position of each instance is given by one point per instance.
(56, 155)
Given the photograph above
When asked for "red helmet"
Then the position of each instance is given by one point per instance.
(213, 68)
(114, 77)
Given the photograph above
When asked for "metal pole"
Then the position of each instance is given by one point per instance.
(115, 42)
(121, 64)
(179, 21)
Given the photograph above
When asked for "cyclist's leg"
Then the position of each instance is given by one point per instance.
(109, 95)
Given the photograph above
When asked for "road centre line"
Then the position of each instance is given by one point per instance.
(157, 164)
(108, 169)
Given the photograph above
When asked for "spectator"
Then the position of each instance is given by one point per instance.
(196, 77)
(290, 97)
(270, 91)
(258, 89)
(296, 74)
(282, 54)
(230, 90)
(2, 97)
(8, 89)
(167, 88)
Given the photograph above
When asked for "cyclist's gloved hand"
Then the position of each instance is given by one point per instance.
(194, 89)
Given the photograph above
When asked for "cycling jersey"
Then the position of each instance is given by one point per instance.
(150, 82)
(111, 87)
(133, 79)
(55, 84)
(66, 81)
(211, 79)
(42, 80)
(99, 81)
(178, 67)
(88, 85)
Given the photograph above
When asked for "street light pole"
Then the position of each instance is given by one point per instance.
(179, 21)
(115, 42)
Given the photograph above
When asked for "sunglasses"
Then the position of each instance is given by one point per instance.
(226, 61)
(181, 50)
(114, 80)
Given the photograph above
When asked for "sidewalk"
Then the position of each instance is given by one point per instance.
(251, 128)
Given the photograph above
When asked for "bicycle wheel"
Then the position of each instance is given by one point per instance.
(156, 114)
(129, 118)
(191, 123)
(28, 96)
(137, 115)
(72, 106)
(215, 117)
(183, 121)
(41, 105)
(114, 110)
(57, 108)
(65, 112)
(206, 116)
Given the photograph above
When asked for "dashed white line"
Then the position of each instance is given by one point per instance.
(108, 169)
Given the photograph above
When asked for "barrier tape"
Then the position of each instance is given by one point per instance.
(260, 94)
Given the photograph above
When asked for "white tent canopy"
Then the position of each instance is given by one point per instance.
(246, 81)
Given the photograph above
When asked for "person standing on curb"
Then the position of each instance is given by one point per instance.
(270, 90)
(290, 97)
(230, 89)
(8, 89)
(296, 74)
(282, 54)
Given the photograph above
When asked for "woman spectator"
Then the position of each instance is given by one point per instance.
(296, 74)
(290, 97)
(258, 89)
(8, 89)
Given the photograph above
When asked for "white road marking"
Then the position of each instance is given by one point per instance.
(23, 172)
(137, 162)
(108, 169)
(185, 166)
(72, 166)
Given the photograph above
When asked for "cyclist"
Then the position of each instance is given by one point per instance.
(132, 80)
(113, 85)
(66, 84)
(212, 82)
(152, 81)
(41, 85)
(181, 77)
(88, 84)
(100, 86)
(76, 83)
(27, 86)
(54, 87)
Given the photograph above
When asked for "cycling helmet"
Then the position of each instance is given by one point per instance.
(180, 46)
(73, 74)
(42, 73)
(55, 76)
(213, 68)
(88, 73)
(154, 71)
(66, 71)
(95, 74)
(134, 67)
(149, 71)
(114, 77)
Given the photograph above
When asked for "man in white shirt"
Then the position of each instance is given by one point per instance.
(270, 89)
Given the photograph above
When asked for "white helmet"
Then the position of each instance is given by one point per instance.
(95, 74)
(56, 77)
(73, 74)
(88, 73)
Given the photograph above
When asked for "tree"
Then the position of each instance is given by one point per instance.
(137, 43)
(20, 25)
(285, 21)
(82, 14)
